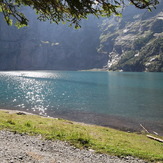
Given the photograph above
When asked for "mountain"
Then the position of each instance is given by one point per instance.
(50, 46)
(133, 42)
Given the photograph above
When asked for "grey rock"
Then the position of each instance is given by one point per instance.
(15, 148)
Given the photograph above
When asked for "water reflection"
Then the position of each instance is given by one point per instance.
(24, 91)
(136, 95)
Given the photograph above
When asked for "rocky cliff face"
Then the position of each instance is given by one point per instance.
(131, 43)
(49, 46)
(135, 41)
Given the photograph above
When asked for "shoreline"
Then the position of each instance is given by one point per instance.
(93, 138)
(74, 118)
(109, 121)
(10, 111)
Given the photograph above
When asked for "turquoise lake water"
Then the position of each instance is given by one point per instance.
(131, 96)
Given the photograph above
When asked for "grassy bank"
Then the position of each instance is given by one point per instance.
(101, 139)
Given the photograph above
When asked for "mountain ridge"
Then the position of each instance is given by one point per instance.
(133, 42)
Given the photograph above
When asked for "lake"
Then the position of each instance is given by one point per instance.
(118, 99)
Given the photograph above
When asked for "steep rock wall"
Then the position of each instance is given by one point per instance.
(131, 43)
(49, 46)
(135, 41)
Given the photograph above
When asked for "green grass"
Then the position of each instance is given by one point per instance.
(101, 139)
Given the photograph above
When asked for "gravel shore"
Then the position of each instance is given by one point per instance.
(22, 148)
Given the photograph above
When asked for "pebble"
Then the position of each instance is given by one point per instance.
(21, 148)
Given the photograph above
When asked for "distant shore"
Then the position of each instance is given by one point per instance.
(95, 69)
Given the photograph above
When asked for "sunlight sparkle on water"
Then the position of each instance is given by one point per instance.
(33, 90)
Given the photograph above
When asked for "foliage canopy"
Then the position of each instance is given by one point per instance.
(66, 10)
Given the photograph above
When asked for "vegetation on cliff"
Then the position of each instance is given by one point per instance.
(134, 42)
